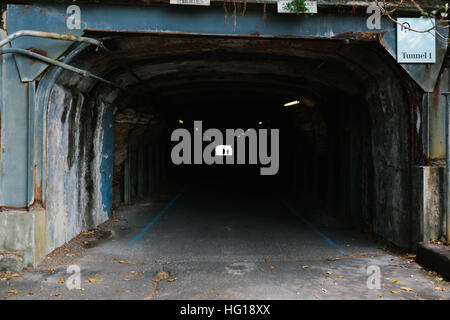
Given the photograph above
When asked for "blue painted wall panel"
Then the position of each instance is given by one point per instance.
(107, 163)
(14, 135)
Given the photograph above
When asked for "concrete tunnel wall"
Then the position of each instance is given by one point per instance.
(79, 164)
(86, 149)
(79, 151)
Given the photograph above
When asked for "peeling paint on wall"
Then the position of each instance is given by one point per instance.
(75, 135)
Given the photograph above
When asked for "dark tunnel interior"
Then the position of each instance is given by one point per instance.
(338, 143)
(315, 130)
(323, 139)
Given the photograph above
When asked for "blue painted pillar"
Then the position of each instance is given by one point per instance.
(107, 164)
(14, 136)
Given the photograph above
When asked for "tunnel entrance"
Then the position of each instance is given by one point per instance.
(342, 108)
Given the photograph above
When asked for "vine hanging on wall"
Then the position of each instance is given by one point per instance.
(296, 6)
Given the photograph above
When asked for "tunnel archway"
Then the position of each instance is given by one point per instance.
(342, 148)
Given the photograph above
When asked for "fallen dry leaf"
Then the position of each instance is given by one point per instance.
(163, 275)
(304, 266)
(125, 262)
(395, 292)
(172, 280)
(13, 292)
(406, 289)
(92, 280)
(439, 288)
(331, 259)
(62, 280)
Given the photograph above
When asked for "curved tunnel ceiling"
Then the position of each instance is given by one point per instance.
(179, 70)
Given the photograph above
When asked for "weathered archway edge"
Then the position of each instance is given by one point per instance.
(206, 21)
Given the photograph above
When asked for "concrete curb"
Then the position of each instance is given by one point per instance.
(435, 257)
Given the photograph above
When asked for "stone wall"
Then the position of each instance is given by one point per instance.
(75, 138)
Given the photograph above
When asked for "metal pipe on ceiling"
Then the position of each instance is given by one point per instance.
(49, 35)
(58, 64)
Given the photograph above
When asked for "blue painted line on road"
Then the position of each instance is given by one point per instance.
(154, 220)
(311, 226)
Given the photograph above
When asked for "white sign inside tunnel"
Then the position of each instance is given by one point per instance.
(416, 42)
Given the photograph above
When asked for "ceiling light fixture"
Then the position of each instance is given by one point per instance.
(292, 103)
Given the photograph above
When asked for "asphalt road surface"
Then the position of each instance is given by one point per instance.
(222, 244)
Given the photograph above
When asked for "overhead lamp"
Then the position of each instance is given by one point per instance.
(180, 121)
(292, 103)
